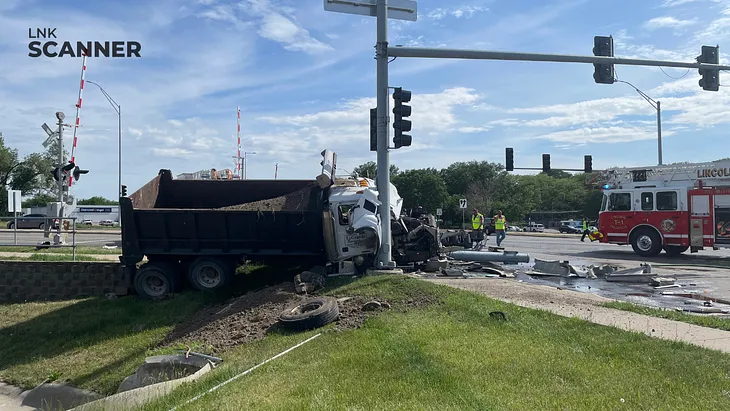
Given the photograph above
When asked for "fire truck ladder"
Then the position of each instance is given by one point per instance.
(664, 175)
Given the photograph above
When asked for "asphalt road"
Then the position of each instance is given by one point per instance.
(32, 237)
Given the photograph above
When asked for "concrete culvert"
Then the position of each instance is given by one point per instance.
(311, 313)
(162, 368)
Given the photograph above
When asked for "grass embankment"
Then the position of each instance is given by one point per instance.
(51, 257)
(701, 320)
(454, 356)
(451, 355)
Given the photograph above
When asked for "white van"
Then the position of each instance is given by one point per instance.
(536, 228)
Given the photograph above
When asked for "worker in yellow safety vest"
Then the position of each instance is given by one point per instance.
(500, 227)
(477, 221)
(586, 231)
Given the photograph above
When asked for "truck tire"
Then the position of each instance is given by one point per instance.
(674, 250)
(155, 280)
(646, 242)
(208, 274)
(312, 313)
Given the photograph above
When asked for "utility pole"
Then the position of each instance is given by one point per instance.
(657, 105)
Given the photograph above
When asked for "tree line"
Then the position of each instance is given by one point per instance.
(31, 175)
(489, 188)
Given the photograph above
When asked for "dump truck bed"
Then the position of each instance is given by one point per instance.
(223, 217)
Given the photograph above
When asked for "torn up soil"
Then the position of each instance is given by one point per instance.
(253, 315)
(294, 201)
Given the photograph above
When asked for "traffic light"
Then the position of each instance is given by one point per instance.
(373, 129)
(546, 163)
(710, 80)
(124, 190)
(603, 47)
(77, 173)
(329, 169)
(510, 159)
(400, 124)
(587, 164)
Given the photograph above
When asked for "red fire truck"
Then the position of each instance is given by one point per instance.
(674, 208)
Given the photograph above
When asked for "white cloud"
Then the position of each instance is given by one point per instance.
(458, 12)
(276, 27)
(674, 3)
(603, 135)
(668, 22)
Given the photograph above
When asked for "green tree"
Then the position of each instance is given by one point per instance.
(423, 187)
(458, 176)
(39, 200)
(369, 170)
(96, 200)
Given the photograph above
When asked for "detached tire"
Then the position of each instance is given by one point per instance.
(675, 250)
(646, 242)
(208, 274)
(311, 313)
(155, 280)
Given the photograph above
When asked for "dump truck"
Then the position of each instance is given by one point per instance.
(200, 231)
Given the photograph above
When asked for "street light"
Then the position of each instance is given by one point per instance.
(658, 107)
(118, 109)
(245, 153)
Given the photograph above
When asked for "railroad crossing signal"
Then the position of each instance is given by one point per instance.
(546, 163)
(588, 164)
(400, 124)
(710, 80)
(603, 47)
(510, 159)
(462, 203)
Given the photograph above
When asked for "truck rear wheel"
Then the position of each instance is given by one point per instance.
(646, 242)
(155, 280)
(207, 274)
(674, 250)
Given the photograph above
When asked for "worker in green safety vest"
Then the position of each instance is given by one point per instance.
(477, 220)
(586, 231)
(500, 227)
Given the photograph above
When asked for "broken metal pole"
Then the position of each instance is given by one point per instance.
(484, 256)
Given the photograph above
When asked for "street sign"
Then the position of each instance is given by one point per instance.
(462, 203)
(439, 211)
(397, 9)
(14, 201)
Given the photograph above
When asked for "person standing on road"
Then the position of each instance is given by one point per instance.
(477, 221)
(500, 227)
(586, 231)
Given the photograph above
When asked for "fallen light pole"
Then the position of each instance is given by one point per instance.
(511, 257)
(407, 10)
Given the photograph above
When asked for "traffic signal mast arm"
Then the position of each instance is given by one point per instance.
(424, 52)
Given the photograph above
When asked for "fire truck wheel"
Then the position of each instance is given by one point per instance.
(646, 242)
(673, 250)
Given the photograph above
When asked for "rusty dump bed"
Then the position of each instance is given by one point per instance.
(168, 217)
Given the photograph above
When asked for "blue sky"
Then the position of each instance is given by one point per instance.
(305, 79)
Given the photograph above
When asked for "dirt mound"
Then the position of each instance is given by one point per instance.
(252, 316)
(294, 201)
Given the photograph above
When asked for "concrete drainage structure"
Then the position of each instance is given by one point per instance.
(158, 376)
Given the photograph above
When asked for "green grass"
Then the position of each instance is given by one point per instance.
(452, 356)
(51, 257)
(61, 250)
(91, 343)
(702, 320)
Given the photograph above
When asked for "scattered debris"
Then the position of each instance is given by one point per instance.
(663, 281)
(704, 310)
(308, 281)
(371, 306)
(661, 287)
(632, 275)
(489, 256)
(109, 247)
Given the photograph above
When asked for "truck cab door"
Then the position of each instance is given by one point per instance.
(365, 215)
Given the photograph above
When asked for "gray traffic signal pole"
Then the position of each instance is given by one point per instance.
(383, 176)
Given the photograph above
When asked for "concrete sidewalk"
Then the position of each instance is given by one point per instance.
(568, 303)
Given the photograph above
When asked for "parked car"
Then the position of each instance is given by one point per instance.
(108, 223)
(30, 221)
(536, 228)
(86, 222)
(514, 228)
(571, 228)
